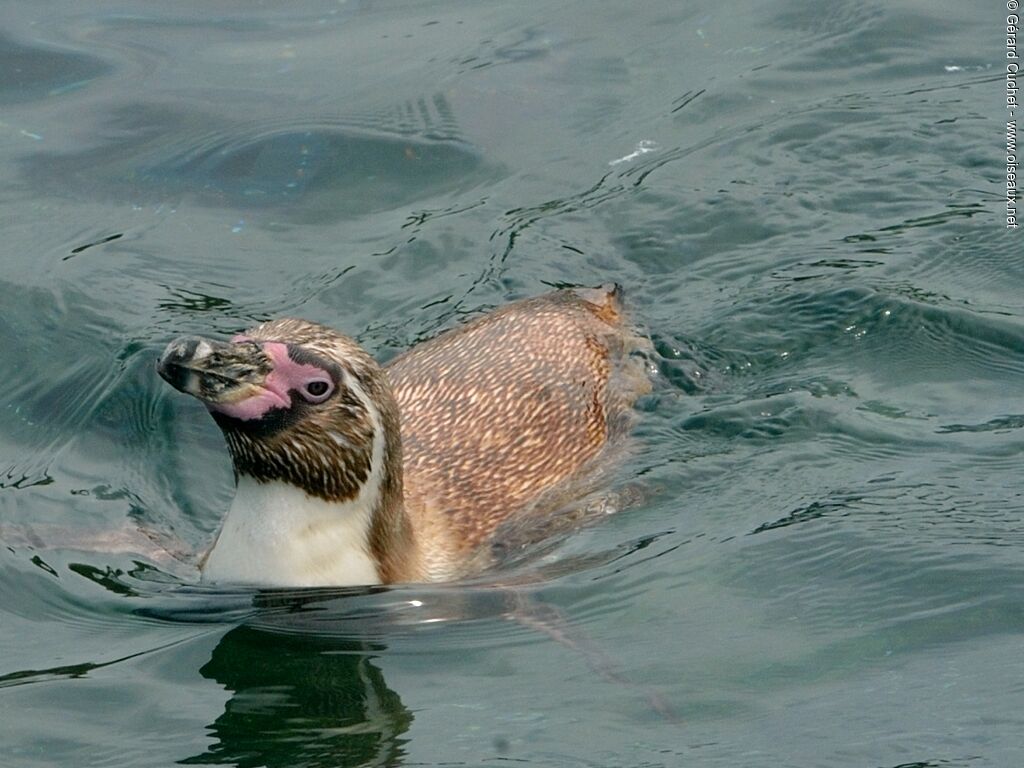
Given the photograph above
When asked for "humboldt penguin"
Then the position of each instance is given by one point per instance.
(350, 473)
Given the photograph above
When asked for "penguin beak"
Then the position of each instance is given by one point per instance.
(217, 373)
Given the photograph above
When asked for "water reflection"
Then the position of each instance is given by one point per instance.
(302, 672)
(302, 701)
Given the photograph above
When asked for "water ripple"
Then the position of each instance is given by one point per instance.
(36, 72)
(310, 171)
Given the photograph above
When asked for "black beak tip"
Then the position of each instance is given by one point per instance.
(171, 364)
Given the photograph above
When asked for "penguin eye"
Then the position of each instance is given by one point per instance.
(317, 390)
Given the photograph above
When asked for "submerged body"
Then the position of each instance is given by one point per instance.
(350, 474)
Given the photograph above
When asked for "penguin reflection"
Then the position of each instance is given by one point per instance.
(302, 701)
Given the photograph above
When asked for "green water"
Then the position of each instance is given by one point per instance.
(805, 203)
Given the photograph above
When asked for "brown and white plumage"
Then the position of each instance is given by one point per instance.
(349, 473)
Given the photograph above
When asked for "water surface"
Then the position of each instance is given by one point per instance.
(804, 202)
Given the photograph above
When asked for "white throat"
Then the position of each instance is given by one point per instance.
(277, 535)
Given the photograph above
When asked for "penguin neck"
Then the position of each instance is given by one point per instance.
(277, 534)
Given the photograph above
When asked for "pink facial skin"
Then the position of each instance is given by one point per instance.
(286, 376)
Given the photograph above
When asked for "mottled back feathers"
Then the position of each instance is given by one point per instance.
(498, 414)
